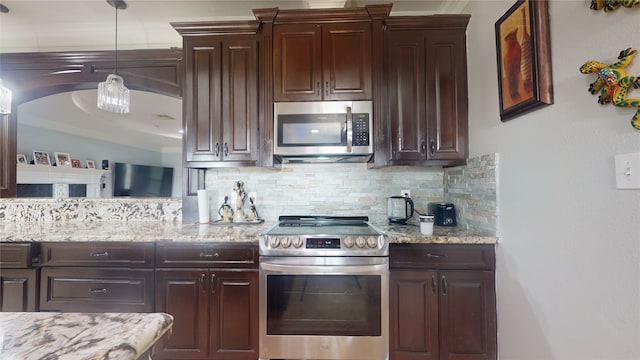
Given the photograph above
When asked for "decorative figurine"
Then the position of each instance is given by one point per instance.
(610, 5)
(238, 186)
(613, 84)
(225, 211)
(253, 212)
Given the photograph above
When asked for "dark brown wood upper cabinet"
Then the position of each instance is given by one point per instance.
(427, 90)
(322, 61)
(221, 100)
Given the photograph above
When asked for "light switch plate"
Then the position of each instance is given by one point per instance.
(628, 171)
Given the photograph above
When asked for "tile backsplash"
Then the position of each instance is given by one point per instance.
(326, 189)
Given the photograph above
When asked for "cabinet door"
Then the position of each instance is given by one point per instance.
(184, 293)
(18, 290)
(406, 94)
(467, 315)
(446, 95)
(202, 99)
(234, 316)
(240, 100)
(413, 315)
(346, 53)
(297, 64)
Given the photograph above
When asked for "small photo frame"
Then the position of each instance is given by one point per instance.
(21, 159)
(62, 159)
(41, 158)
(76, 163)
(91, 164)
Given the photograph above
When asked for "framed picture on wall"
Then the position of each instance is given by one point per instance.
(41, 158)
(76, 163)
(62, 159)
(524, 58)
(21, 159)
(91, 164)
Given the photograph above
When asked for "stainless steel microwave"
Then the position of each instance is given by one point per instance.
(323, 131)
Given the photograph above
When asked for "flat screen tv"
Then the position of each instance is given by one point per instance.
(142, 180)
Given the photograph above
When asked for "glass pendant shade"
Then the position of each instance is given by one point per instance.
(113, 95)
(5, 99)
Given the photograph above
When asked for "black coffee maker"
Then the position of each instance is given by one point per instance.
(444, 214)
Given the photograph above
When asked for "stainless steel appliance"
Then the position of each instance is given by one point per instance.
(399, 209)
(324, 290)
(323, 131)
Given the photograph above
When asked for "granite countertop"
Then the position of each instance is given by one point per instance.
(141, 231)
(46, 335)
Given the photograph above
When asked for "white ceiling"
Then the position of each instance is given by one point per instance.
(52, 25)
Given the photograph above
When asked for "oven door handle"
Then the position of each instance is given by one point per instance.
(324, 269)
(349, 130)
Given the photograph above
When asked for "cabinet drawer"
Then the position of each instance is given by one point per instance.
(438, 256)
(17, 255)
(96, 290)
(98, 254)
(218, 255)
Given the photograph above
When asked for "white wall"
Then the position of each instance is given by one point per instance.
(568, 264)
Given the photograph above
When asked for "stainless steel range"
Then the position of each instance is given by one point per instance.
(324, 290)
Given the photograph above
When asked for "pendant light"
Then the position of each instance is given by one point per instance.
(112, 94)
(5, 99)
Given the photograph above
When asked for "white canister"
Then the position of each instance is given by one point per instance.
(426, 225)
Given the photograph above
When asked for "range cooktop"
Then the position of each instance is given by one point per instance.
(296, 235)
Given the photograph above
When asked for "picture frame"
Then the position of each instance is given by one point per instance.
(91, 164)
(76, 163)
(523, 51)
(41, 158)
(21, 159)
(62, 159)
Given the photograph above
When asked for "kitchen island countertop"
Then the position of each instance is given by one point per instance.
(47, 335)
(150, 231)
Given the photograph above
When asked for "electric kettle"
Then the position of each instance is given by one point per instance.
(399, 209)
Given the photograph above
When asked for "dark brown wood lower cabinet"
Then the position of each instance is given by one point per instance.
(18, 289)
(215, 313)
(442, 303)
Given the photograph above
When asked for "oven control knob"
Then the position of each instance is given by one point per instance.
(274, 241)
(361, 242)
(372, 242)
(285, 242)
(349, 241)
(297, 242)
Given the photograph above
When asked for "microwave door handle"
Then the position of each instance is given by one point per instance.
(349, 130)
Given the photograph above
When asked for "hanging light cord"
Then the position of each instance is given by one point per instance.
(116, 66)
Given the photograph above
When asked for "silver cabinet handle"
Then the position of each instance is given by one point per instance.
(326, 88)
(98, 291)
(434, 284)
(99, 254)
(436, 256)
(212, 283)
(217, 149)
(208, 255)
(432, 146)
(318, 88)
(445, 286)
(226, 150)
(349, 130)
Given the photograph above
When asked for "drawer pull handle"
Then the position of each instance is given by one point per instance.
(99, 254)
(436, 256)
(98, 291)
(208, 255)
(212, 282)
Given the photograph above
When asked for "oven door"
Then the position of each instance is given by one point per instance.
(324, 308)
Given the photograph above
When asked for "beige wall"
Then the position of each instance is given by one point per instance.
(568, 264)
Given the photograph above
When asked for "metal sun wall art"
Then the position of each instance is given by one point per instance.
(610, 5)
(613, 84)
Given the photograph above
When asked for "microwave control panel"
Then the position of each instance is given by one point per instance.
(360, 129)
